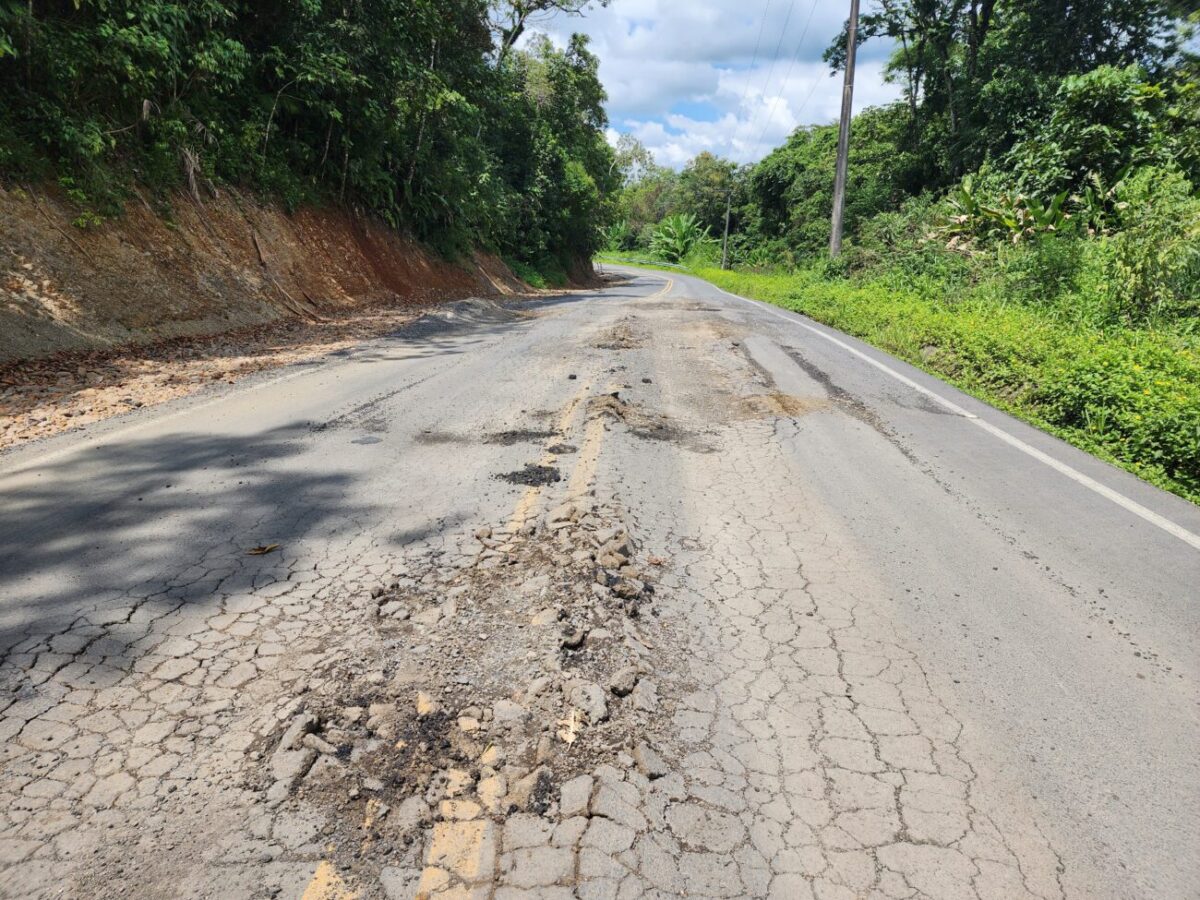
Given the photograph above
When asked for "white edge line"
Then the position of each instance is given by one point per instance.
(1075, 475)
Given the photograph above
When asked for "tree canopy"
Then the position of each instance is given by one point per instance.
(404, 108)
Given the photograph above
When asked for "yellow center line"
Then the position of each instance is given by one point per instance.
(566, 421)
(326, 884)
(589, 452)
(666, 289)
(589, 455)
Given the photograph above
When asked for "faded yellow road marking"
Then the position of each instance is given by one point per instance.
(589, 452)
(566, 421)
(666, 289)
(589, 455)
(326, 884)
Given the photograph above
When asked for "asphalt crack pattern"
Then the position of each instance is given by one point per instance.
(794, 745)
(819, 760)
(132, 724)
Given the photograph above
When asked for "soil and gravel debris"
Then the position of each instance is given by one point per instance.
(494, 692)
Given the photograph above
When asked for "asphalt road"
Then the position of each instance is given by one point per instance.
(1042, 605)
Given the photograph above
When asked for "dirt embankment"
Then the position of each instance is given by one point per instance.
(229, 263)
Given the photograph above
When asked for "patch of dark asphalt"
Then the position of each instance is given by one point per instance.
(532, 475)
(518, 436)
(437, 438)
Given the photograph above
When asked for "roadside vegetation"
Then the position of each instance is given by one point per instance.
(421, 112)
(1025, 222)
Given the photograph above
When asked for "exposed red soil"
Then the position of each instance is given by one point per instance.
(146, 308)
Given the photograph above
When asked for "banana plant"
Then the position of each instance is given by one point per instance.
(677, 236)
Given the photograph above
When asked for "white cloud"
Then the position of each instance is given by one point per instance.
(684, 77)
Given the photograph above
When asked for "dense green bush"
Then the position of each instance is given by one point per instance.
(1153, 267)
(1101, 122)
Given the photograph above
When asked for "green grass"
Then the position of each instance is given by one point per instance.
(546, 274)
(1129, 396)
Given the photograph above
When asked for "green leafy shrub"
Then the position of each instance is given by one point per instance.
(619, 237)
(1154, 263)
(1101, 121)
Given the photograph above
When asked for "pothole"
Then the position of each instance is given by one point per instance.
(533, 475)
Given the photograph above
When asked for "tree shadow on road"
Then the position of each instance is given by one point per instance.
(125, 520)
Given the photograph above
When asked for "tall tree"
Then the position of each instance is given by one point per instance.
(511, 18)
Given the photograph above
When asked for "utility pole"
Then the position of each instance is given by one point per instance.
(725, 243)
(843, 157)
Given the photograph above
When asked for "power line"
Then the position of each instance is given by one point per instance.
(787, 77)
(762, 27)
(771, 68)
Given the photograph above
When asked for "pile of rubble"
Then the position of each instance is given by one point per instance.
(494, 727)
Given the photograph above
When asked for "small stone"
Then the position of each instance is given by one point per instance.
(538, 686)
(313, 742)
(624, 681)
(506, 712)
(645, 696)
(300, 726)
(573, 638)
(456, 782)
(426, 705)
(460, 810)
(589, 697)
(564, 513)
(491, 792)
(289, 766)
(649, 763)
(532, 793)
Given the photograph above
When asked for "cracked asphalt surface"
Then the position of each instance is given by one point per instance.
(894, 655)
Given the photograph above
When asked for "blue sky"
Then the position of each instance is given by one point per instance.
(684, 75)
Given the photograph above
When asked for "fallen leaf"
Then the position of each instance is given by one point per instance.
(262, 550)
